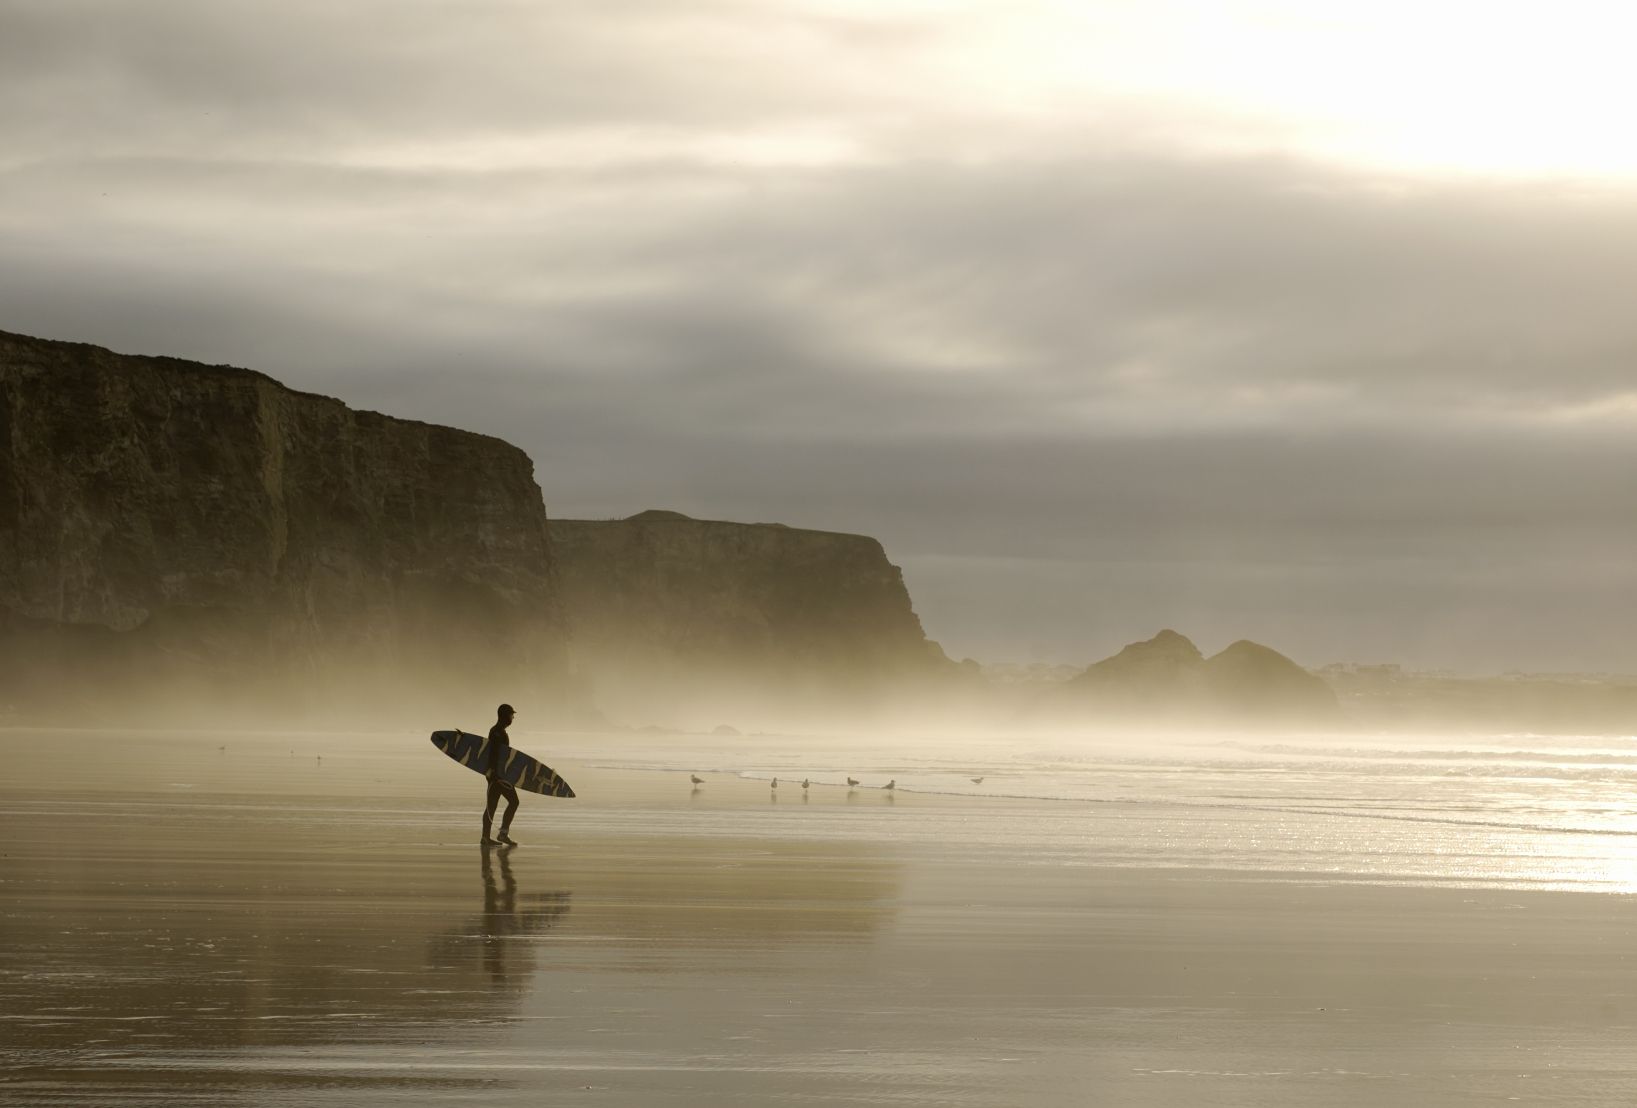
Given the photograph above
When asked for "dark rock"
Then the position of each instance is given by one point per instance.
(175, 533)
(653, 514)
(1251, 681)
(1166, 682)
(685, 619)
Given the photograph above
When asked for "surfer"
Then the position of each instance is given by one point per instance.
(500, 748)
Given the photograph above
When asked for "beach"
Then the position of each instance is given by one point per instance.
(309, 920)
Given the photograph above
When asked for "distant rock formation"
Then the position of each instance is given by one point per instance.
(1166, 682)
(689, 620)
(1255, 682)
(176, 534)
(1143, 674)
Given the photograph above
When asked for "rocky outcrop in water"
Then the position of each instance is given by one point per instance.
(1166, 682)
(696, 621)
(176, 536)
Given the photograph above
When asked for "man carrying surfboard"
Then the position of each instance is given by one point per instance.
(507, 768)
(500, 748)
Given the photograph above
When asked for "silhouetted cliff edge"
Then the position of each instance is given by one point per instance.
(1165, 681)
(174, 534)
(700, 621)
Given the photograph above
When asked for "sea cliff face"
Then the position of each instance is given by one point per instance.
(700, 621)
(170, 530)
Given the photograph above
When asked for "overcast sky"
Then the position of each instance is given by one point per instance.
(1309, 323)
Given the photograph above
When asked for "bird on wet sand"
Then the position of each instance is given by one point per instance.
(775, 782)
(696, 779)
(891, 785)
(804, 784)
(975, 780)
(852, 782)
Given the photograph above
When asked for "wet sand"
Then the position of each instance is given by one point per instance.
(266, 928)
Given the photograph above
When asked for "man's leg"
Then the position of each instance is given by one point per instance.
(511, 810)
(495, 788)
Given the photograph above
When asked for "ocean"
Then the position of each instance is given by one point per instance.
(1502, 811)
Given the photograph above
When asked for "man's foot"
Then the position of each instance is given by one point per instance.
(507, 839)
(486, 841)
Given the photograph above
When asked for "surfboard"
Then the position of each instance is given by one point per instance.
(523, 771)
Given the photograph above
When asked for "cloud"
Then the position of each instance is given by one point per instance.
(733, 259)
(322, 80)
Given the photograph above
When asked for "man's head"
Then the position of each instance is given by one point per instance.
(506, 713)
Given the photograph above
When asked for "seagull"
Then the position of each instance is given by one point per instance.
(851, 782)
(891, 785)
(976, 780)
(775, 782)
(696, 779)
(805, 783)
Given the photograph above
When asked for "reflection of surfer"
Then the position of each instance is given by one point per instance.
(499, 914)
(500, 748)
(501, 899)
(504, 921)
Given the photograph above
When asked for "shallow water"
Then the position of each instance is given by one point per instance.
(1500, 811)
(255, 925)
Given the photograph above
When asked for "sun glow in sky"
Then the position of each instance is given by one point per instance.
(1445, 85)
(1449, 87)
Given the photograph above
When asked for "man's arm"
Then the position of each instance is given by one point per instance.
(499, 748)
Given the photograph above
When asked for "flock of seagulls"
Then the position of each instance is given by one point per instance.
(852, 783)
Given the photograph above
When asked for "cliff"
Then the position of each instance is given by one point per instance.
(697, 622)
(1166, 681)
(174, 533)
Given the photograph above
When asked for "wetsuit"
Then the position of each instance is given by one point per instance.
(500, 748)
